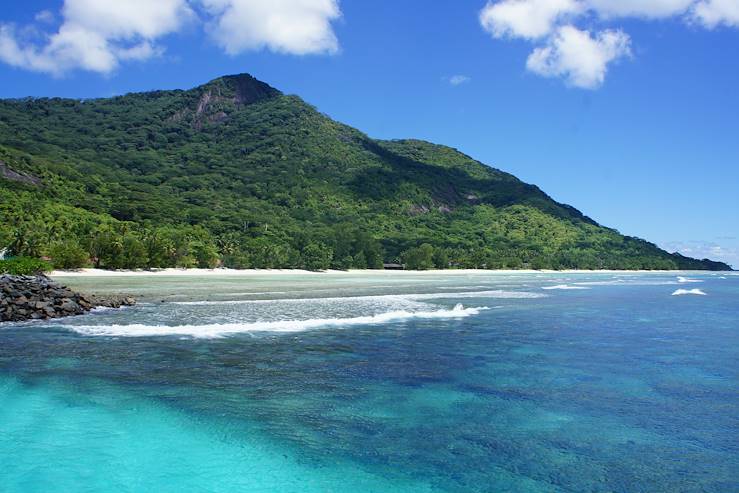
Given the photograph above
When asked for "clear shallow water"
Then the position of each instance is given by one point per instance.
(380, 383)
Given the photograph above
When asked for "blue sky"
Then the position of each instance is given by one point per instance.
(625, 109)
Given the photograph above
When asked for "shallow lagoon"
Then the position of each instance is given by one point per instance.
(379, 383)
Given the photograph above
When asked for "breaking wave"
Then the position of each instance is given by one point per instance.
(564, 286)
(220, 330)
(684, 280)
(682, 292)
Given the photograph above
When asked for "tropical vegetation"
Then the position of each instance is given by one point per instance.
(234, 173)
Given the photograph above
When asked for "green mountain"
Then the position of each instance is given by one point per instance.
(235, 172)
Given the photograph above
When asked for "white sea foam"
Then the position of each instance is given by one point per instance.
(627, 282)
(564, 286)
(682, 292)
(498, 293)
(220, 330)
(99, 309)
(684, 280)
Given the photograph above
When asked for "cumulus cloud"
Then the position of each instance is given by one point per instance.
(98, 35)
(712, 13)
(578, 55)
(530, 19)
(127, 19)
(297, 27)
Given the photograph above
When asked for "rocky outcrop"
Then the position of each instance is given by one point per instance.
(12, 175)
(221, 97)
(38, 297)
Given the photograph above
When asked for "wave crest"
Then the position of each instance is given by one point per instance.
(684, 280)
(564, 286)
(683, 292)
(220, 330)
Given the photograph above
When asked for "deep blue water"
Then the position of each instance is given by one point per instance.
(618, 386)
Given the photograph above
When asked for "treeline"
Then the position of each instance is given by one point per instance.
(118, 245)
(427, 256)
(121, 247)
(72, 238)
(131, 246)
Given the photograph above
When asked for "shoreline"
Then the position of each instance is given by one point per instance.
(300, 272)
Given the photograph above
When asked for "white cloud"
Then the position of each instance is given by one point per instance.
(575, 54)
(578, 56)
(119, 19)
(96, 35)
(298, 27)
(458, 80)
(712, 13)
(530, 19)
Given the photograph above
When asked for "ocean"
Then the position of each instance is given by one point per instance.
(379, 382)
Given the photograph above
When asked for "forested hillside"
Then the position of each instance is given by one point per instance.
(235, 173)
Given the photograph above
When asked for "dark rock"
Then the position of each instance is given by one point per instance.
(69, 306)
(38, 297)
(12, 175)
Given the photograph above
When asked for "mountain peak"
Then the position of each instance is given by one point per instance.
(242, 88)
(217, 99)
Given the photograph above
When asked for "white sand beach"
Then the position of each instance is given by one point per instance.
(293, 272)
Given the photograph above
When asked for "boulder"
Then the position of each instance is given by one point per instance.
(38, 297)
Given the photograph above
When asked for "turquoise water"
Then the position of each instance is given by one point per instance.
(392, 382)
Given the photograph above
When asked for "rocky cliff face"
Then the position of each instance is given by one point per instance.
(38, 297)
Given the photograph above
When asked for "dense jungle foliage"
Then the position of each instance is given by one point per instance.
(235, 173)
